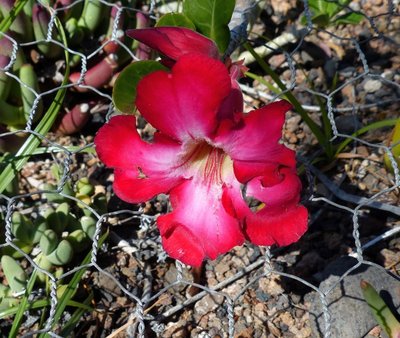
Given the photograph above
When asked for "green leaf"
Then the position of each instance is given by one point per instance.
(124, 92)
(7, 21)
(395, 141)
(349, 18)
(76, 318)
(25, 303)
(15, 275)
(175, 20)
(329, 8)
(372, 126)
(30, 145)
(321, 20)
(380, 310)
(211, 18)
(315, 128)
(65, 299)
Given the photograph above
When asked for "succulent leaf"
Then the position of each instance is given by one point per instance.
(88, 225)
(63, 253)
(22, 228)
(91, 15)
(14, 274)
(79, 240)
(58, 219)
(10, 251)
(42, 261)
(48, 242)
(28, 76)
(40, 225)
(84, 187)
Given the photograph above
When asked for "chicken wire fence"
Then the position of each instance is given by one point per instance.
(261, 265)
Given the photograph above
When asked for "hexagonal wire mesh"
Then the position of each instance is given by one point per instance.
(228, 288)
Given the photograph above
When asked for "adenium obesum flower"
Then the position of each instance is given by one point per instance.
(228, 176)
(174, 42)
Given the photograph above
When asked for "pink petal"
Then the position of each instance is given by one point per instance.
(119, 133)
(232, 104)
(183, 104)
(174, 42)
(277, 190)
(256, 137)
(142, 170)
(119, 145)
(132, 189)
(180, 243)
(269, 227)
(247, 170)
(199, 211)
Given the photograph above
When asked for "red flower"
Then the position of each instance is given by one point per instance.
(173, 42)
(211, 164)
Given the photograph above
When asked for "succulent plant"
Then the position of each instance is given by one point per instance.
(61, 231)
(88, 25)
(15, 275)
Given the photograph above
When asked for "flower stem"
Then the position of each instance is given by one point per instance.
(316, 130)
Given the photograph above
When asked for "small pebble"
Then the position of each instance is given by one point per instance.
(371, 86)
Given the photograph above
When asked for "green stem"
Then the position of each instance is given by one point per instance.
(42, 128)
(316, 130)
(372, 126)
(380, 310)
(22, 307)
(7, 21)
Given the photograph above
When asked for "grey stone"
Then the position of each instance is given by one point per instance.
(371, 86)
(208, 304)
(350, 314)
(347, 124)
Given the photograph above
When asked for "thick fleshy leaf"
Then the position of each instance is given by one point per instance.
(124, 91)
(198, 210)
(268, 227)
(211, 18)
(175, 20)
(256, 137)
(132, 187)
(184, 103)
(175, 42)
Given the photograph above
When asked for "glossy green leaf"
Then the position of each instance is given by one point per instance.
(124, 92)
(175, 20)
(323, 6)
(321, 20)
(211, 18)
(325, 13)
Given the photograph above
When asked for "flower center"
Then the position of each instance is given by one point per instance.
(207, 163)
